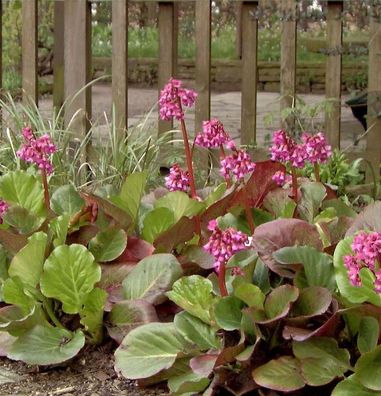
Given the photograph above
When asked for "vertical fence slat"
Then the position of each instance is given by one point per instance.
(373, 141)
(333, 70)
(78, 67)
(239, 33)
(203, 61)
(120, 63)
(167, 49)
(249, 72)
(58, 59)
(29, 51)
(288, 57)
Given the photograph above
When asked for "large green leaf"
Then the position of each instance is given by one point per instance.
(22, 219)
(180, 204)
(92, 313)
(58, 228)
(148, 349)
(369, 332)
(16, 292)
(196, 331)
(131, 193)
(66, 200)
(16, 320)
(23, 189)
(69, 274)
(27, 263)
(354, 294)
(323, 348)
(352, 387)
(151, 277)
(46, 345)
(194, 295)
(368, 369)
(156, 222)
(228, 313)
(250, 294)
(320, 371)
(312, 301)
(281, 374)
(108, 244)
(318, 266)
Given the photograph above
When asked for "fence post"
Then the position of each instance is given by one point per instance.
(203, 19)
(239, 28)
(58, 58)
(168, 24)
(29, 51)
(333, 70)
(120, 63)
(288, 58)
(373, 141)
(78, 69)
(249, 72)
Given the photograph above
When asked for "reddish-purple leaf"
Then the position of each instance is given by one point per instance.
(203, 364)
(137, 249)
(272, 236)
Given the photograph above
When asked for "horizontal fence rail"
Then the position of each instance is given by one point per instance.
(72, 62)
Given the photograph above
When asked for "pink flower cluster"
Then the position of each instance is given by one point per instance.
(172, 98)
(178, 179)
(3, 209)
(316, 148)
(313, 148)
(37, 150)
(213, 135)
(367, 254)
(281, 178)
(237, 164)
(223, 244)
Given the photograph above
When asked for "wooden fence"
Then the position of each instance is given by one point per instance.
(72, 61)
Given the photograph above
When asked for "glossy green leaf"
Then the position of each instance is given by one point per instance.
(250, 294)
(196, 331)
(16, 292)
(27, 263)
(318, 266)
(92, 313)
(354, 294)
(23, 189)
(311, 198)
(215, 195)
(281, 374)
(58, 228)
(108, 244)
(148, 349)
(46, 345)
(66, 200)
(180, 204)
(228, 313)
(368, 369)
(278, 302)
(320, 371)
(312, 301)
(369, 332)
(69, 274)
(157, 221)
(194, 295)
(131, 193)
(352, 387)
(16, 321)
(151, 277)
(22, 219)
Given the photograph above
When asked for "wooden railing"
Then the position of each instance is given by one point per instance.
(72, 62)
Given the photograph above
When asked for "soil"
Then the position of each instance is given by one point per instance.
(90, 374)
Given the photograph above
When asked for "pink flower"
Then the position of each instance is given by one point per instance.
(366, 254)
(170, 96)
(238, 164)
(3, 209)
(223, 244)
(178, 179)
(37, 150)
(283, 146)
(213, 135)
(281, 178)
(298, 156)
(316, 148)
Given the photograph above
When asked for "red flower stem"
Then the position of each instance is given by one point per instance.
(188, 158)
(46, 189)
(222, 280)
(222, 156)
(294, 184)
(317, 171)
